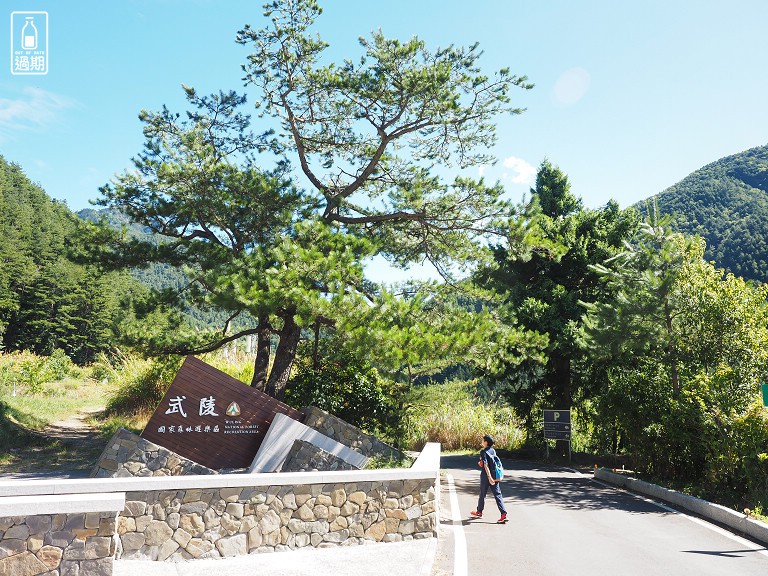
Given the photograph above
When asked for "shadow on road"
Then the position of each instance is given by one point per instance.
(535, 484)
(725, 553)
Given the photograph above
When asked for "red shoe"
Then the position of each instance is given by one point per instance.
(502, 520)
(476, 514)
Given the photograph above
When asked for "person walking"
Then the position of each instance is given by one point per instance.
(488, 480)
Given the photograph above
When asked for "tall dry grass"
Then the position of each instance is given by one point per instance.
(452, 414)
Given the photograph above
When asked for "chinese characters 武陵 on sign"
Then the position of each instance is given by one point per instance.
(212, 418)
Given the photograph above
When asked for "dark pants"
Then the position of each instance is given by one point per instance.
(495, 488)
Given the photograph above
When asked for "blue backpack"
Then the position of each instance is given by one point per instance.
(494, 466)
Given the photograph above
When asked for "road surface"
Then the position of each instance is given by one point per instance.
(564, 523)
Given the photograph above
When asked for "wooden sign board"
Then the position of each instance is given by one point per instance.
(212, 418)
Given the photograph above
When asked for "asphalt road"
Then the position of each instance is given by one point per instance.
(564, 523)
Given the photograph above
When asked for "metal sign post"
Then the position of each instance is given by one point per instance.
(557, 426)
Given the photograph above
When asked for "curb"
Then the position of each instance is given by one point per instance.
(725, 516)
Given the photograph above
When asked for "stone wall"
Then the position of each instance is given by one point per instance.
(306, 457)
(349, 435)
(77, 527)
(181, 525)
(58, 544)
(127, 454)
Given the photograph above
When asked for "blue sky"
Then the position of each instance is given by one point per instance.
(630, 97)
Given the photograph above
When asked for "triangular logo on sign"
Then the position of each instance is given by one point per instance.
(233, 409)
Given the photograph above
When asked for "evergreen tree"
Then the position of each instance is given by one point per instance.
(686, 345)
(47, 301)
(542, 277)
(365, 136)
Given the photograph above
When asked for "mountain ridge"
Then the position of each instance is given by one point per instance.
(726, 203)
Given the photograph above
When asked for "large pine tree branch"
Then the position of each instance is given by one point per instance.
(211, 346)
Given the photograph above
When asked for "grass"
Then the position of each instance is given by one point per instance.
(58, 401)
(36, 392)
(15, 432)
(122, 390)
(137, 385)
(24, 448)
(451, 413)
(378, 462)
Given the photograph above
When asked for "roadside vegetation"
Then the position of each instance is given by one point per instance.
(542, 303)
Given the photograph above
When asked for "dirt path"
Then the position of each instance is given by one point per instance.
(70, 448)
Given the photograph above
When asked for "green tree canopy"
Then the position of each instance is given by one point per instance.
(367, 134)
(47, 301)
(726, 203)
(366, 137)
(542, 276)
(687, 347)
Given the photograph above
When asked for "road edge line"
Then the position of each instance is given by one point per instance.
(460, 560)
(760, 549)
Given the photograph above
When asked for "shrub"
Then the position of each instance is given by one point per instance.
(451, 413)
(26, 373)
(141, 383)
(346, 387)
(737, 463)
(235, 362)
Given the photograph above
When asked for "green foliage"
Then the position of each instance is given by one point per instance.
(347, 387)
(726, 203)
(379, 462)
(232, 361)
(366, 132)
(738, 457)
(47, 300)
(27, 373)
(452, 414)
(539, 279)
(156, 278)
(684, 347)
(14, 430)
(366, 135)
(140, 383)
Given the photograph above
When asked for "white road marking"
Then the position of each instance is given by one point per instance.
(459, 539)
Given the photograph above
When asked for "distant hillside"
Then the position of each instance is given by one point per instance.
(726, 203)
(156, 276)
(161, 276)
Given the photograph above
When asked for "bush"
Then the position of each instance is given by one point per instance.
(738, 459)
(141, 383)
(26, 373)
(452, 414)
(236, 363)
(348, 388)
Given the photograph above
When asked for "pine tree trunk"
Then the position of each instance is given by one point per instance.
(261, 364)
(284, 356)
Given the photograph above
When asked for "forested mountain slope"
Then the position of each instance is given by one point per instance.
(160, 277)
(726, 202)
(47, 301)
